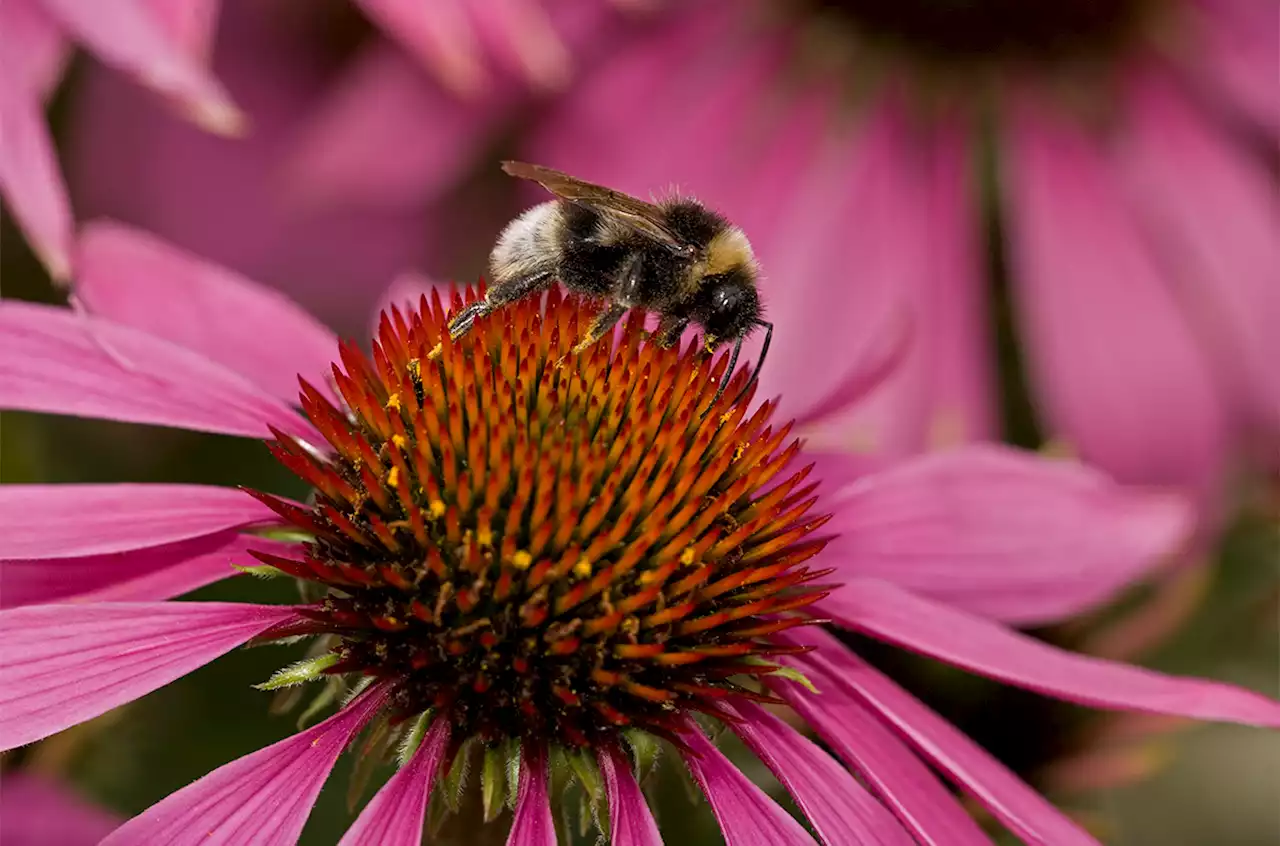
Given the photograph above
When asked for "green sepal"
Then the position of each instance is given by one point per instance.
(333, 690)
(646, 749)
(288, 534)
(260, 571)
(308, 669)
(784, 672)
(587, 772)
(493, 782)
(513, 771)
(413, 738)
(456, 780)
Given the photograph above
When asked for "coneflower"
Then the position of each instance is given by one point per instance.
(551, 563)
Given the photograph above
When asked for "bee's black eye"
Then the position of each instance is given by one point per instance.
(730, 308)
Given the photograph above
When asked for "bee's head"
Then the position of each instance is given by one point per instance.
(728, 305)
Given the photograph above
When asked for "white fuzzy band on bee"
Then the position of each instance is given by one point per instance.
(529, 245)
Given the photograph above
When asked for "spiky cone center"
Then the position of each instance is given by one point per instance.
(536, 544)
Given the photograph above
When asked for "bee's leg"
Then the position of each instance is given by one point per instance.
(499, 295)
(604, 322)
(669, 330)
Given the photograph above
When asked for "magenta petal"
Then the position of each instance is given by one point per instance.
(746, 815)
(533, 825)
(889, 613)
(64, 664)
(840, 810)
(262, 799)
(1237, 51)
(30, 181)
(394, 816)
(141, 575)
(630, 821)
(36, 811)
(1102, 325)
(64, 521)
(1005, 534)
(1211, 210)
(56, 361)
(128, 35)
(519, 33)
(133, 278)
(1024, 811)
(894, 773)
(32, 48)
(386, 138)
(441, 37)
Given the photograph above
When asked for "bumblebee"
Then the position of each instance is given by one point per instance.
(675, 258)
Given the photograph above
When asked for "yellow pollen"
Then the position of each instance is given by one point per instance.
(393, 401)
(738, 451)
(393, 476)
(687, 557)
(485, 537)
(400, 441)
(582, 567)
(437, 508)
(521, 560)
(435, 351)
(415, 368)
(726, 417)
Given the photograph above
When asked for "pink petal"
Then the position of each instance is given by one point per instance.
(746, 815)
(262, 799)
(64, 664)
(153, 574)
(384, 137)
(879, 168)
(394, 816)
(65, 521)
(954, 309)
(1024, 811)
(1100, 325)
(442, 38)
(1004, 534)
(192, 24)
(840, 810)
(36, 811)
(59, 362)
(520, 34)
(1237, 51)
(128, 35)
(32, 49)
(630, 821)
(133, 278)
(30, 181)
(1211, 214)
(981, 646)
(893, 772)
(532, 825)
(875, 359)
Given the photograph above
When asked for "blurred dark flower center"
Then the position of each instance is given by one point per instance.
(536, 544)
(983, 30)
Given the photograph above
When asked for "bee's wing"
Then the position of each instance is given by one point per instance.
(644, 217)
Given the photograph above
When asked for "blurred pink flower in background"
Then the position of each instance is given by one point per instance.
(38, 811)
(848, 139)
